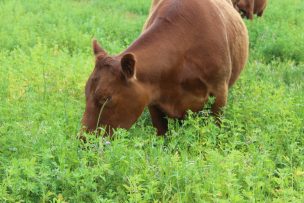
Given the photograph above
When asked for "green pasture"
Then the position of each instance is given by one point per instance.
(45, 59)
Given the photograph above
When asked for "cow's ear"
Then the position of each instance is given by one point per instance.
(97, 50)
(128, 65)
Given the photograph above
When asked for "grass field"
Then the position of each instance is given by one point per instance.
(45, 60)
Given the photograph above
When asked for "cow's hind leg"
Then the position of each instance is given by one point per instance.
(220, 95)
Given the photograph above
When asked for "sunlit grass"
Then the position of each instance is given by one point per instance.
(45, 60)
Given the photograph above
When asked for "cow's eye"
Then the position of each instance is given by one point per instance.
(94, 80)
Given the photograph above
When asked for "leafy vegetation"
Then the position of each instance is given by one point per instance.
(45, 59)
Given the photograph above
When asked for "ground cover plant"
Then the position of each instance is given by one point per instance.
(45, 59)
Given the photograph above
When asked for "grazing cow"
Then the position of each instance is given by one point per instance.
(251, 7)
(190, 50)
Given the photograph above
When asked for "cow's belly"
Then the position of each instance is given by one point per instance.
(177, 106)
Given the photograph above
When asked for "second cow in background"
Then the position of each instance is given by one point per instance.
(251, 7)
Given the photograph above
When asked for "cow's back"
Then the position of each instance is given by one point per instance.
(211, 33)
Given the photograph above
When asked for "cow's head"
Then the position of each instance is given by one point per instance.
(114, 97)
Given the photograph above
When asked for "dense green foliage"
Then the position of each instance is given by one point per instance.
(45, 59)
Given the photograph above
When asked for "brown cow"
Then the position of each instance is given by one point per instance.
(251, 7)
(191, 49)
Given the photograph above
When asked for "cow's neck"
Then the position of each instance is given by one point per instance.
(157, 60)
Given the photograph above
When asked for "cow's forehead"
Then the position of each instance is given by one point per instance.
(108, 64)
(107, 61)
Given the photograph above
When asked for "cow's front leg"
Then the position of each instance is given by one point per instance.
(159, 120)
